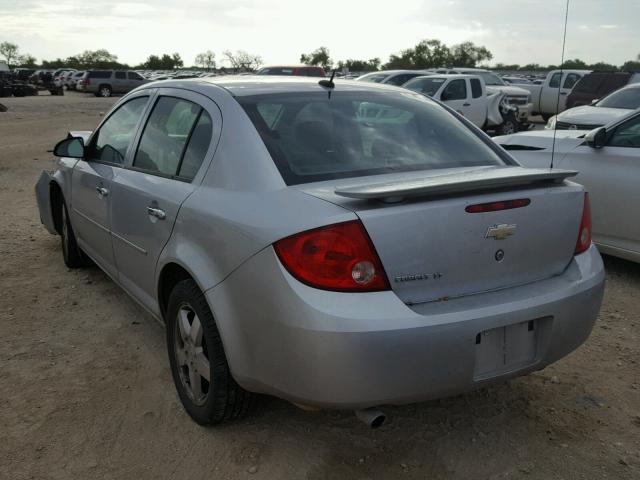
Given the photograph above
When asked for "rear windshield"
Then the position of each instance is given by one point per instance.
(625, 98)
(312, 137)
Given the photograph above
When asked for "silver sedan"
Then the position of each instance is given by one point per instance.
(339, 245)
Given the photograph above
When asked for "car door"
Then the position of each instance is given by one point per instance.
(549, 94)
(475, 108)
(120, 82)
(455, 95)
(163, 172)
(92, 179)
(611, 174)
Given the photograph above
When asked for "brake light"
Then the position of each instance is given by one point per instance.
(496, 206)
(86, 81)
(584, 234)
(337, 257)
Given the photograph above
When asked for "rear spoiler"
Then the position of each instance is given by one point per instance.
(454, 182)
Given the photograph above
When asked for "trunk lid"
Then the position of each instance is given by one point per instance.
(433, 249)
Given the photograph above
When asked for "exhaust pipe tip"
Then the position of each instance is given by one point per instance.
(372, 417)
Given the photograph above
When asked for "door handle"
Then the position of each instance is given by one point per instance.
(103, 192)
(466, 104)
(156, 212)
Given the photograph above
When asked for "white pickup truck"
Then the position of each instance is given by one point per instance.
(515, 95)
(545, 97)
(468, 95)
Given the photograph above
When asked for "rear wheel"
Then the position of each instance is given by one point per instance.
(73, 256)
(104, 91)
(199, 366)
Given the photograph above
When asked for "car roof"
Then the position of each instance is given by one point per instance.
(246, 85)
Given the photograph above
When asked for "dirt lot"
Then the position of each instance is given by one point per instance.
(86, 392)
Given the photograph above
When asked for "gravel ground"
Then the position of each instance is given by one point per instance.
(86, 391)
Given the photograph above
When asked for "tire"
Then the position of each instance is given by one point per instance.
(509, 125)
(104, 91)
(71, 253)
(197, 354)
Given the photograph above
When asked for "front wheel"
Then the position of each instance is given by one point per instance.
(509, 125)
(104, 91)
(199, 366)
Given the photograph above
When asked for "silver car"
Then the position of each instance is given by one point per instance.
(339, 245)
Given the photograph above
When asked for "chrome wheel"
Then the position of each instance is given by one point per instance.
(191, 355)
(509, 128)
(105, 92)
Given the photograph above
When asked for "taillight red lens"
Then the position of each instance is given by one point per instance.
(337, 257)
(584, 234)
(496, 206)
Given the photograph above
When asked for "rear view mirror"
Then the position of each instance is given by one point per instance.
(596, 138)
(72, 147)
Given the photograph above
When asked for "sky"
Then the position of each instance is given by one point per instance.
(515, 31)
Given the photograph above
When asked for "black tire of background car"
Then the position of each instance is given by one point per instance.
(509, 124)
(226, 400)
(103, 91)
(73, 256)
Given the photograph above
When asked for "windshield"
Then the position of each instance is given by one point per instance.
(626, 98)
(312, 137)
(488, 77)
(373, 77)
(426, 86)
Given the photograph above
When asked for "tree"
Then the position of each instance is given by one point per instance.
(467, 54)
(26, 61)
(576, 63)
(165, 62)
(242, 61)
(370, 65)
(631, 65)
(206, 60)
(319, 57)
(177, 60)
(603, 67)
(9, 51)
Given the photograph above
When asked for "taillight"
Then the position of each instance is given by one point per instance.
(584, 234)
(496, 206)
(86, 82)
(337, 257)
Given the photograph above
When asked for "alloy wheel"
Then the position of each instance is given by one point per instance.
(191, 355)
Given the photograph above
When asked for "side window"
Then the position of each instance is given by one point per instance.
(165, 135)
(571, 80)
(627, 134)
(110, 143)
(456, 90)
(555, 80)
(134, 76)
(476, 88)
(196, 148)
(400, 79)
(120, 75)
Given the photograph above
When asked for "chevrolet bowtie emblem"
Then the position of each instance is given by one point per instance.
(500, 232)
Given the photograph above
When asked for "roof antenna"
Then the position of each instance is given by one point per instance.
(555, 125)
(329, 83)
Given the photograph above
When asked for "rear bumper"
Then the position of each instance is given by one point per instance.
(339, 350)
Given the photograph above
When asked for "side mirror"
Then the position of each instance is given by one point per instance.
(72, 147)
(596, 138)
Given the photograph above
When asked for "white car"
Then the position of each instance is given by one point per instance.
(467, 95)
(608, 162)
(392, 77)
(550, 97)
(614, 106)
(516, 96)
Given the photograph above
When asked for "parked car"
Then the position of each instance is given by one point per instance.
(73, 80)
(392, 77)
(550, 97)
(24, 73)
(59, 76)
(516, 80)
(587, 117)
(608, 162)
(350, 250)
(596, 85)
(467, 95)
(515, 96)
(103, 83)
(296, 70)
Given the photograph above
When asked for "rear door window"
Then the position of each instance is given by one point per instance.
(312, 137)
(134, 76)
(571, 80)
(121, 75)
(165, 135)
(197, 147)
(555, 80)
(456, 90)
(100, 74)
